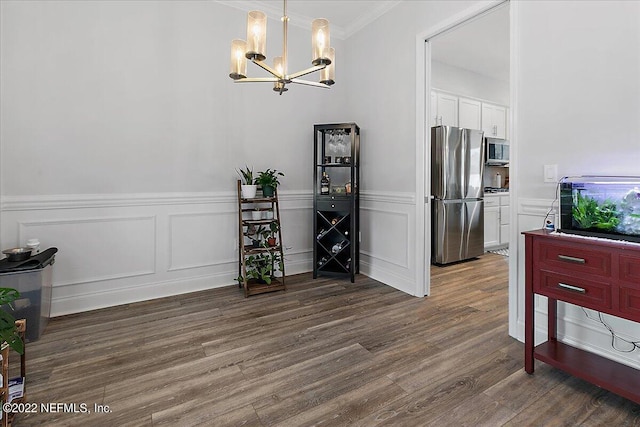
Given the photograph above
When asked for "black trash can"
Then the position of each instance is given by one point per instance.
(33, 279)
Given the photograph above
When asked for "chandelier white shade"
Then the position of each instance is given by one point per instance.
(320, 41)
(256, 35)
(254, 49)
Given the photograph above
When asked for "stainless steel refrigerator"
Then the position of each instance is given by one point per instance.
(457, 221)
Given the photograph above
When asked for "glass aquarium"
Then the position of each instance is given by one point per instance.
(601, 206)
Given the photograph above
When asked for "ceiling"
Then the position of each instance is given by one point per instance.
(480, 45)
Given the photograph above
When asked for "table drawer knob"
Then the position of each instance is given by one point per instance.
(571, 259)
(572, 288)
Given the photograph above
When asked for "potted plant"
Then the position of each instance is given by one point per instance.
(248, 185)
(258, 239)
(254, 234)
(268, 180)
(267, 235)
(274, 227)
(262, 267)
(256, 214)
(8, 331)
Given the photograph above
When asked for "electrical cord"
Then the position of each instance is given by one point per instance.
(634, 344)
(553, 204)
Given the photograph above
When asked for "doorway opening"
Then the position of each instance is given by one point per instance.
(468, 86)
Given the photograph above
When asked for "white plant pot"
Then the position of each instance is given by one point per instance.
(256, 215)
(248, 191)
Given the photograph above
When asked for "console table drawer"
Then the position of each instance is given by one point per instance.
(630, 270)
(570, 259)
(630, 303)
(587, 293)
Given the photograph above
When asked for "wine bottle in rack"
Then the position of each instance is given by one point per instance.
(338, 246)
(324, 184)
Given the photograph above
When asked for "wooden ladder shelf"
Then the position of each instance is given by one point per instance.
(259, 260)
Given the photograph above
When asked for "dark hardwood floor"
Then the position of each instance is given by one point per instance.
(326, 352)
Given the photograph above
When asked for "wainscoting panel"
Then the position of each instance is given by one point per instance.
(389, 226)
(97, 249)
(574, 327)
(388, 239)
(201, 239)
(297, 231)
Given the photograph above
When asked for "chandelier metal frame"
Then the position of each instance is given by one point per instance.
(279, 73)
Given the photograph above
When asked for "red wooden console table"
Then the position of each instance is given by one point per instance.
(599, 274)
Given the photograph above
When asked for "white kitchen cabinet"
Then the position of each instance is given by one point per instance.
(469, 113)
(494, 120)
(491, 222)
(505, 214)
(444, 109)
(496, 220)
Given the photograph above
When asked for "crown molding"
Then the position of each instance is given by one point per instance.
(304, 22)
(369, 16)
(295, 20)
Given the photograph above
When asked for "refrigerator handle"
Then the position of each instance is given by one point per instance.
(466, 162)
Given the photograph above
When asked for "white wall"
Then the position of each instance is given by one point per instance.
(120, 134)
(135, 97)
(467, 83)
(578, 106)
(382, 98)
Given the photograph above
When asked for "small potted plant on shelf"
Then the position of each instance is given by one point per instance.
(268, 235)
(255, 235)
(248, 185)
(274, 227)
(268, 180)
(9, 335)
(256, 214)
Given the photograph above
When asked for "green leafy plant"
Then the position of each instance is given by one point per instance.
(8, 330)
(274, 227)
(588, 213)
(247, 175)
(268, 235)
(262, 266)
(268, 178)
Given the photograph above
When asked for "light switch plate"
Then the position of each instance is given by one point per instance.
(551, 173)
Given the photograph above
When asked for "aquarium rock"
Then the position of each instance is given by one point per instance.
(630, 213)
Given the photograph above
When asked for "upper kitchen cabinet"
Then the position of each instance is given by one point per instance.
(444, 109)
(469, 113)
(494, 120)
(453, 110)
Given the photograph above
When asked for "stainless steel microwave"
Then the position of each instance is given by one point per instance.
(497, 151)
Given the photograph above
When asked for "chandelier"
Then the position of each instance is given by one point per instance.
(323, 55)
